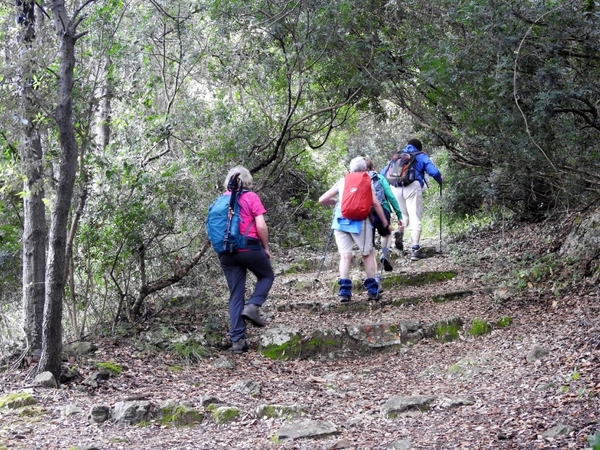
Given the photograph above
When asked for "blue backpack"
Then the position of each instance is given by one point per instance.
(379, 191)
(223, 223)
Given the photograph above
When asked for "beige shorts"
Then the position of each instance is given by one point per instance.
(364, 240)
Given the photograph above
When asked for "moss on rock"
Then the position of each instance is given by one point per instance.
(15, 401)
(225, 414)
(179, 415)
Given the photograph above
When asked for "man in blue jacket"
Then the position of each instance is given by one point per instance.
(410, 196)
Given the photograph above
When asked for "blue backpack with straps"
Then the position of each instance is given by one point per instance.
(223, 223)
(379, 191)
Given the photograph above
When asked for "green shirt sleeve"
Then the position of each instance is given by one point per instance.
(390, 197)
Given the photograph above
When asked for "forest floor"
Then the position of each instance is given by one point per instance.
(509, 399)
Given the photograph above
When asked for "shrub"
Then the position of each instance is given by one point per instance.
(479, 327)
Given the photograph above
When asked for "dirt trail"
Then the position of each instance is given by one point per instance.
(488, 393)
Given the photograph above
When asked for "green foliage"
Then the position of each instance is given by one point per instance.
(525, 157)
(285, 351)
(479, 327)
(447, 332)
(594, 441)
(190, 351)
(114, 368)
(18, 400)
(537, 270)
(10, 245)
(504, 322)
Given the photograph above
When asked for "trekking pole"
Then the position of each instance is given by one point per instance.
(379, 277)
(323, 257)
(440, 219)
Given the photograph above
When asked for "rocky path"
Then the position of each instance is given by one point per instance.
(532, 382)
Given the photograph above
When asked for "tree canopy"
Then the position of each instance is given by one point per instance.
(166, 95)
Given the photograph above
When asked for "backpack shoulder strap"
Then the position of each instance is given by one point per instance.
(238, 195)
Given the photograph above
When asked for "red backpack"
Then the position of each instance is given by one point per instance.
(357, 198)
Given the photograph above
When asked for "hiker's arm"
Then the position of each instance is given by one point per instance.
(327, 198)
(432, 170)
(263, 232)
(391, 198)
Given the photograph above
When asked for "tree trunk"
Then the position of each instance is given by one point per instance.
(34, 219)
(34, 241)
(59, 219)
(103, 115)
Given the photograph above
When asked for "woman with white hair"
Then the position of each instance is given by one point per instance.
(349, 232)
(255, 257)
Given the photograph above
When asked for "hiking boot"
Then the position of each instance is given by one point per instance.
(416, 254)
(386, 264)
(374, 297)
(240, 346)
(345, 292)
(372, 288)
(398, 238)
(250, 312)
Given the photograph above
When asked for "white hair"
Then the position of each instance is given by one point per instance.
(245, 176)
(358, 164)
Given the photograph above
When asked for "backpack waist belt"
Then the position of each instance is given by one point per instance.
(397, 184)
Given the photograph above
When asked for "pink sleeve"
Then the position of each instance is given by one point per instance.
(250, 207)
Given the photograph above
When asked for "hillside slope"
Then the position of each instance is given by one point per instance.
(506, 389)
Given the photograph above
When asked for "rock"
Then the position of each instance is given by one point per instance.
(224, 363)
(503, 294)
(98, 414)
(406, 406)
(583, 243)
(208, 400)
(131, 412)
(178, 414)
(247, 387)
(344, 443)
(78, 349)
(306, 429)
(225, 414)
(401, 445)
(448, 403)
(376, 335)
(536, 353)
(278, 335)
(279, 411)
(68, 375)
(558, 430)
(69, 410)
(16, 401)
(45, 379)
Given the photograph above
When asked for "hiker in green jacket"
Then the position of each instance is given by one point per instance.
(386, 197)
